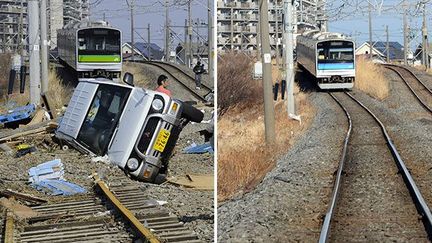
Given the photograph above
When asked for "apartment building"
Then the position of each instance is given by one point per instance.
(238, 22)
(14, 23)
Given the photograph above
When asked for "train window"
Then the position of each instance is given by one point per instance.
(340, 51)
(99, 42)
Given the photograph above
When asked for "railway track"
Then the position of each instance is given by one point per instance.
(421, 92)
(116, 213)
(185, 79)
(374, 198)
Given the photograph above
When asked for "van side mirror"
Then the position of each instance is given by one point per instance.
(128, 78)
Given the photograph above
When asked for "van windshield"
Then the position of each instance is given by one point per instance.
(102, 117)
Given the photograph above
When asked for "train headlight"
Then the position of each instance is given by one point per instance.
(132, 164)
(157, 104)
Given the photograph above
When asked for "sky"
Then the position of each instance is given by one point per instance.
(152, 12)
(352, 20)
(345, 16)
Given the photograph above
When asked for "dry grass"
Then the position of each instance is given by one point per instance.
(371, 80)
(235, 83)
(243, 157)
(140, 78)
(59, 93)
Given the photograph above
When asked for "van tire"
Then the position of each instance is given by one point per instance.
(191, 113)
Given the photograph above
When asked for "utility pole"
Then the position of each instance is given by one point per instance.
(44, 43)
(425, 44)
(4, 37)
(210, 40)
(132, 28)
(405, 32)
(167, 31)
(387, 45)
(20, 31)
(370, 31)
(148, 42)
(289, 60)
(35, 85)
(277, 38)
(104, 17)
(258, 37)
(189, 60)
(269, 114)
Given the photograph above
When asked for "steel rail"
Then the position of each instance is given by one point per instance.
(144, 232)
(195, 93)
(420, 203)
(325, 230)
(180, 70)
(394, 69)
(191, 90)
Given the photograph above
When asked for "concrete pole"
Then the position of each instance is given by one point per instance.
(370, 31)
(277, 38)
(405, 32)
(258, 37)
(4, 37)
(189, 62)
(20, 49)
(425, 44)
(167, 32)
(232, 28)
(35, 82)
(44, 45)
(148, 42)
(387, 45)
(269, 114)
(288, 37)
(185, 46)
(210, 40)
(132, 28)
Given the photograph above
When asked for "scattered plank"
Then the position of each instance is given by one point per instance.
(21, 196)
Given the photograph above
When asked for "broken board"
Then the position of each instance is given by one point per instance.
(196, 181)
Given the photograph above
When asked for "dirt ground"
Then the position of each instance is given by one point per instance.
(194, 207)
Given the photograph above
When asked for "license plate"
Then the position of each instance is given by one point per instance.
(161, 140)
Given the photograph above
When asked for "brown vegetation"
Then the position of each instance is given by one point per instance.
(371, 80)
(235, 83)
(141, 78)
(59, 92)
(243, 157)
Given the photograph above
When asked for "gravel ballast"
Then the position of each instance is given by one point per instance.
(289, 203)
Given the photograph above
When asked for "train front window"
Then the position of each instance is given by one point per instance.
(335, 52)
(99, 42)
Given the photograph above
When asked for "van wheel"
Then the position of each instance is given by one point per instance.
(191, 113)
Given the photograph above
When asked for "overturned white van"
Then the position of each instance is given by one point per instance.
(135, 127)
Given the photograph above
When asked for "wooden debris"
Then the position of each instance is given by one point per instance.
(19, 210)
(21, 196)
(47, 100)
(200, 182)
(9, 228)
(37, 118)
(47, 126)
(5, 148)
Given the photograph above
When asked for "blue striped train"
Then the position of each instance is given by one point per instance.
(329, 57)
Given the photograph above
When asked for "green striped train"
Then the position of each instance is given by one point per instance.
(92, 49)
